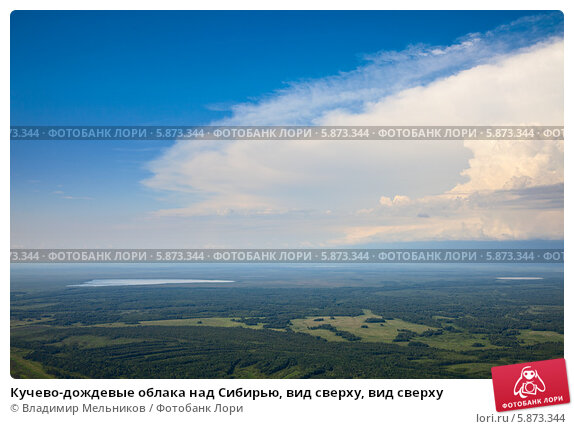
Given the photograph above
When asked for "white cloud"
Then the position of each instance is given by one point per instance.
(396, 201)
(512, 165)
(389, 72)
(389, 191)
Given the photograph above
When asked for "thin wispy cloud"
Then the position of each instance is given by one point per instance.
(389, 72)
(64, 196)
(70, 197)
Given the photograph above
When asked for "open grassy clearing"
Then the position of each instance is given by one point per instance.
(458, 341)
(20, 367)
(471, 370)
(28, 322)
(532, 337)
(374, 333)
(94, 341)
(252, 372)
(218, 322)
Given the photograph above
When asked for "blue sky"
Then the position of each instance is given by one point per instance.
(169, 68)
(193, 68)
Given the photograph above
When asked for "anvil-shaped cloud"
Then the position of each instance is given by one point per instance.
(353, 192)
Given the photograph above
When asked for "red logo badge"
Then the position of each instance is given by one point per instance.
(528, 385)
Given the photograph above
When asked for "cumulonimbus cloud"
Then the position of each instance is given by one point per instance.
(388, 191)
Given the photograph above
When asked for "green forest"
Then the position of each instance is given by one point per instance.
(434, 329)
